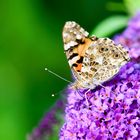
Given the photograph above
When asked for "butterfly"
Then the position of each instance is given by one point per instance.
(92, 60)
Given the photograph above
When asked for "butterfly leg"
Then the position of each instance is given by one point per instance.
(86, 97)
(78, 92)
(75, 86)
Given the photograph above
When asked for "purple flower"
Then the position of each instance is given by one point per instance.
(130, 38)
(112, 113)
(45, 129)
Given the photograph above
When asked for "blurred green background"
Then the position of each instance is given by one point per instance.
(30, 40)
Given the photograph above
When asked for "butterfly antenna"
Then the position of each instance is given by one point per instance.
(55, 94)
(53, 73)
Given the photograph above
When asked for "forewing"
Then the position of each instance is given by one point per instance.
(73, 34)
(74, 38)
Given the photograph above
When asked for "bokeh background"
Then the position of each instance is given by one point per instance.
(30, 40)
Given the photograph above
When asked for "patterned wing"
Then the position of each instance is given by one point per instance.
(75, 44)
(92, 60)
(103, 59)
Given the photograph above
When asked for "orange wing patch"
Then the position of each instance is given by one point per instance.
(83, 47)
(79, 67)
(80, 50)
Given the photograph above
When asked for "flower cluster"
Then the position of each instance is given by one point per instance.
(130, 38)
(111, 113)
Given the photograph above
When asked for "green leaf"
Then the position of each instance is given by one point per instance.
(110, 25)
(132, 6)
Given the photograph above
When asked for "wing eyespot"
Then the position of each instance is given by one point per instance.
(90, 75)
(116, 56)
(101, 49)
(93, 69)
(105, 63)
(106, 49)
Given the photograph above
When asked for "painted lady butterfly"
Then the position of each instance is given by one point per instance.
(92, 60)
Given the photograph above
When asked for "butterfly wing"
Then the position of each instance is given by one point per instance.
(75, 45)
(92, 60)
(103, 59)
